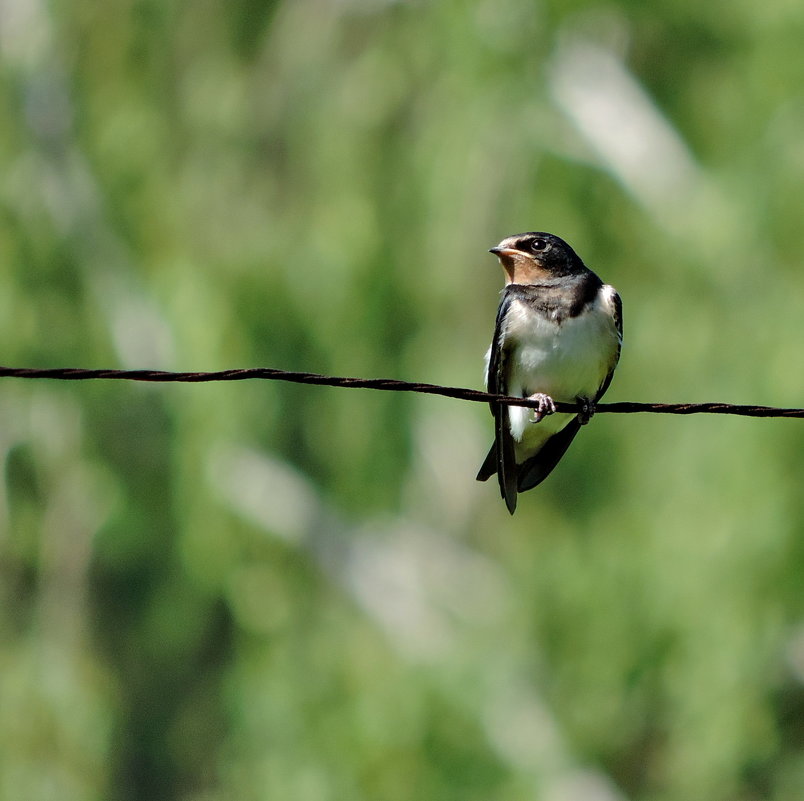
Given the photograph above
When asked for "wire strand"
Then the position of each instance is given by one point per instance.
(387, 384)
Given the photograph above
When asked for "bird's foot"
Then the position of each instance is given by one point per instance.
(546, 406)
(586, 410)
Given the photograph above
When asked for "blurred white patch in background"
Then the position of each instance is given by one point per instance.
(423, 588)
(141, 334)
(794, 652)
(623, 125)
(447, 444)
(520, 726)
(267, 492)
(25, 32)
(584, 785)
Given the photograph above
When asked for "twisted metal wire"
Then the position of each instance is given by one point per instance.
(387, 384)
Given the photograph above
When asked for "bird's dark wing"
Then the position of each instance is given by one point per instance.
(506, 459)
(536, 469)
(618, 324)
(495, 380)
(501, 457)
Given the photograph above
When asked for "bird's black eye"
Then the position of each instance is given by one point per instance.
(538, 245)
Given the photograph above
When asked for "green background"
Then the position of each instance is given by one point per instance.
(267, 591)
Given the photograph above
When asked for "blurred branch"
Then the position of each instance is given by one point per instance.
(388, 384)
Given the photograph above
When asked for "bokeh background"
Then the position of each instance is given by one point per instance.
(266, 591)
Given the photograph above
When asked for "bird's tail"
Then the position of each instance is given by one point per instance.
(489, 466)
(536, 469)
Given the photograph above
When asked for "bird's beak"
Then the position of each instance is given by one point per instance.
(498, 251)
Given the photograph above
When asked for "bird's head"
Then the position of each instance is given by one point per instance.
(535, 256)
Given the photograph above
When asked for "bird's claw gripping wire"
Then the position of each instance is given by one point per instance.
(546, 406)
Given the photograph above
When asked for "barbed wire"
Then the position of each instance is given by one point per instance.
(387, 384)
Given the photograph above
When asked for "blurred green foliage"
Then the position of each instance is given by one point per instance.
(265, 591)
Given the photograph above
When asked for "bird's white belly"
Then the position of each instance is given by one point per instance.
(565, 361)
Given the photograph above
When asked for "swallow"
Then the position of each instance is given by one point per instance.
(557, 337)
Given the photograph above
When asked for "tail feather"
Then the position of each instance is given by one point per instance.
(489, 466)
(536, 469)
(533, 470)
(508, 485)
(507, 469)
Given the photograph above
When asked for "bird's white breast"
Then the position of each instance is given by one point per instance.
(565, 360)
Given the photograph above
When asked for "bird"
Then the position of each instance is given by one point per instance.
(557, 338)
